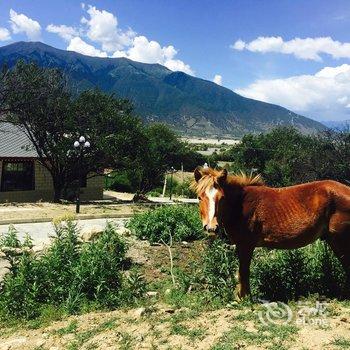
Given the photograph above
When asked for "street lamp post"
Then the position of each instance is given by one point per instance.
(80, 145)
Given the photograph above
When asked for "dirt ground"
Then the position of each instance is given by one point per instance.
(157, 324)
(31, 211)
(117, 204)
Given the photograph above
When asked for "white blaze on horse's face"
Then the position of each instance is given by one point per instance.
(211, 194)
(209, 208)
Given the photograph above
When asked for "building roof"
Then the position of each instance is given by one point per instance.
(14, 143)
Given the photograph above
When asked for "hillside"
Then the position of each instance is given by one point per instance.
(191, 105)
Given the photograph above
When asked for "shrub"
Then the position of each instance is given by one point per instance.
(288, 274)
(280, 274)
(214, 272)
(119, 181)
(69, 275)
(325, 271)
(275, 275)
(180, 221)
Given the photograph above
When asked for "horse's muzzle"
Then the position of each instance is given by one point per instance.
(214, 229)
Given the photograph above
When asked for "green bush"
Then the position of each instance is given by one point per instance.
(280, 274)
(182, 222)
(69, 275)
(275, 274)
(119, 181)
(288, 274)
(214, 272)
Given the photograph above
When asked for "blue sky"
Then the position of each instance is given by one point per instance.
(294, 53)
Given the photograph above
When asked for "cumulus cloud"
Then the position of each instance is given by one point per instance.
(20, 23)
(78, 45)
(324, 95)
(307, 49)
(217, 79)
(143, 50)
(103, 29)
(65, 32)
(4, 34)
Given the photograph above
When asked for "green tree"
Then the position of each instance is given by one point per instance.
(40, 102)
(162, 150)
(285, 156)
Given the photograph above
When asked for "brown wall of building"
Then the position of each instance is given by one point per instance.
(44, 188)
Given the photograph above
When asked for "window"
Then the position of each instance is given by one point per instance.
(17, 176)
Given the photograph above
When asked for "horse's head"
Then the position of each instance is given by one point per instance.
(209, 187)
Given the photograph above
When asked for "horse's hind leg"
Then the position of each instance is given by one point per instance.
(339, 240)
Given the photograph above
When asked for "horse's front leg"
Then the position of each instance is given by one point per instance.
(245, 254)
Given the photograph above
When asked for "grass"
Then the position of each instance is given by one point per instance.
(83, 337)
(192, 333)
(272, 337)
(70, 328)
(126, 341)
(341, 342)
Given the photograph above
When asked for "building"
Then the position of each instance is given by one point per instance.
(24, 179)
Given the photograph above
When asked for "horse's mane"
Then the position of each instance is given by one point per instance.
(240, 179)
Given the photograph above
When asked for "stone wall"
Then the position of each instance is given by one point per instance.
(44, 188)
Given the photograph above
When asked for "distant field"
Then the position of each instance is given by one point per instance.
(210, 141)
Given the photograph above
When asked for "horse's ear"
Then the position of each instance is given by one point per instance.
(197, 174)
(222, 177)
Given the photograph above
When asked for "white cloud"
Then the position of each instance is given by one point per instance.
(20, 23)
(217, 79)
(65, 32)
(324, 95)
(4, 34)
(307, 49)
(143, 50)
(238, 45)
(103, 29)
(78, 45)
(178, 65)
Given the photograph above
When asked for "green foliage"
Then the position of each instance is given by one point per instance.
(119, 181)
(289, 274)
(275, 275)
(69, 275)
(162, 149)
(40, 102)
(214, 272)
(285, 156)
(182, 222)
(280, 275)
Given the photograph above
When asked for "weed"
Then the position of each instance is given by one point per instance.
(71, 328)
(341, 342)
(69, 277)
(182, 222)
(83, 337)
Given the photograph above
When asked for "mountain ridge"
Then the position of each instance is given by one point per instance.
(191, 105)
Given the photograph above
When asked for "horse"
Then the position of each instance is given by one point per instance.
(255, 215)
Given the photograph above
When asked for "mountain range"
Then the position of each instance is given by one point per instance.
(191, 105)
(341, 125)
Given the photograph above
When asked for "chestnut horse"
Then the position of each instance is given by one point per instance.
(254, 215)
